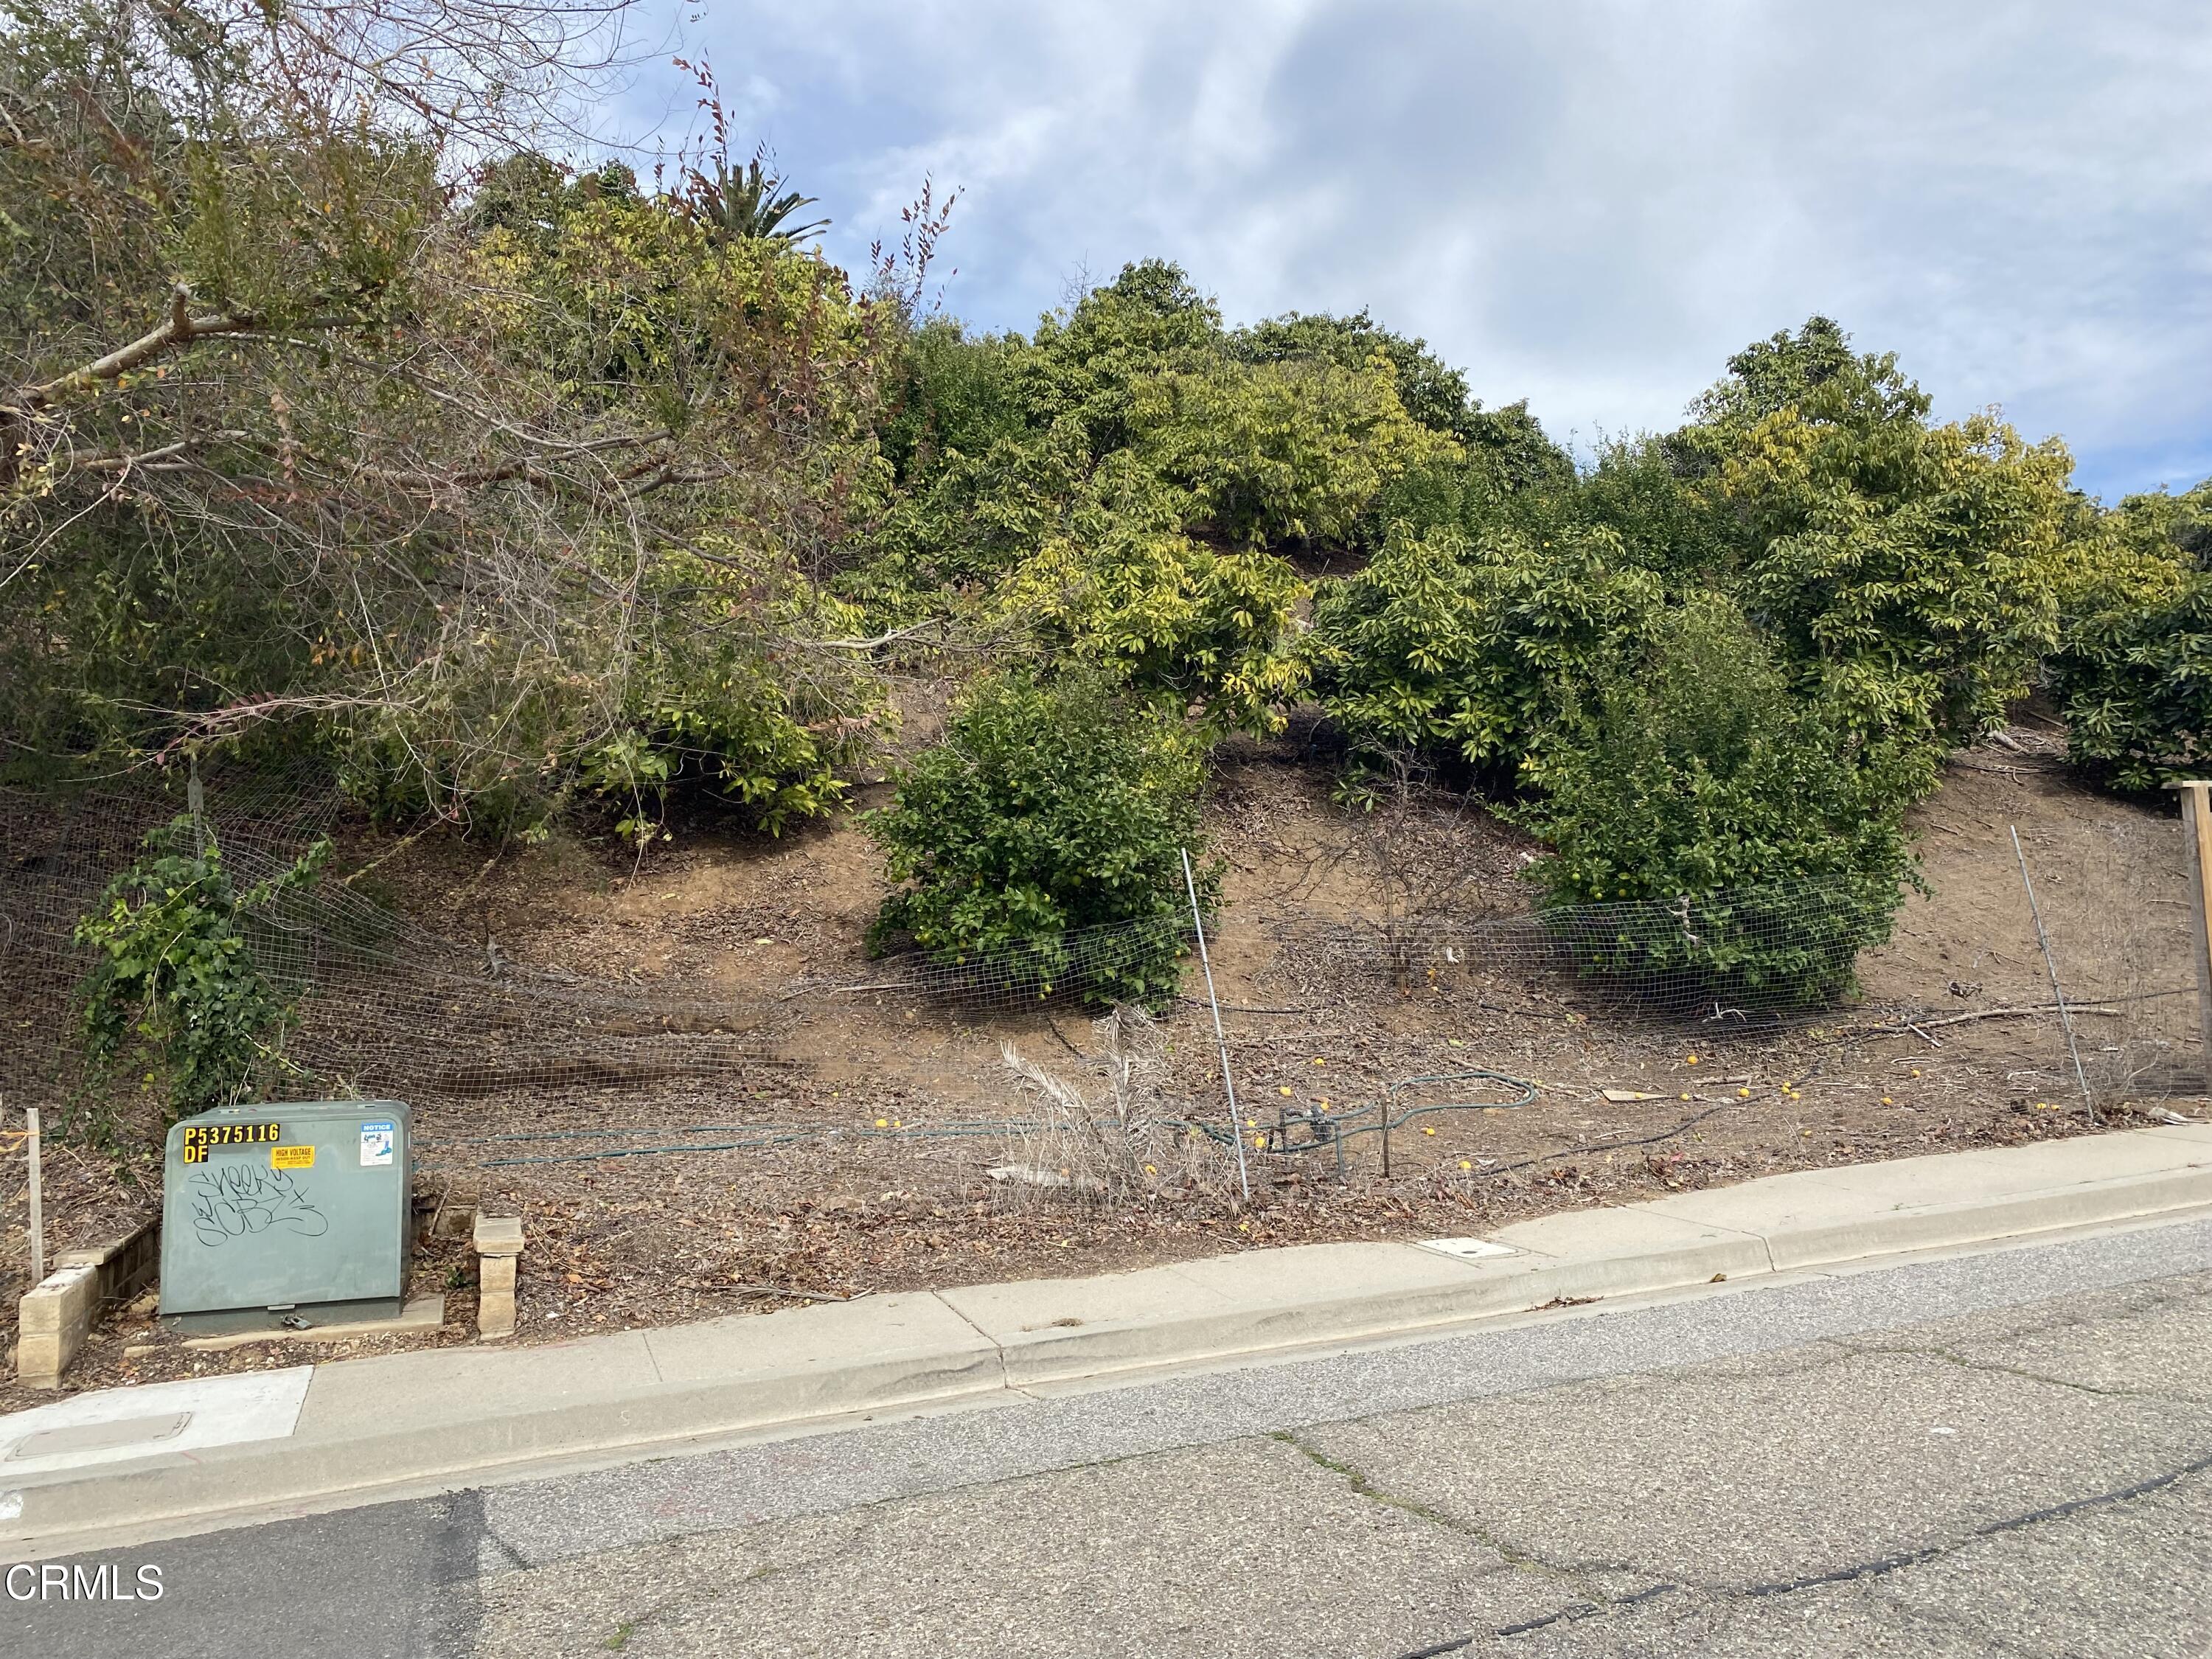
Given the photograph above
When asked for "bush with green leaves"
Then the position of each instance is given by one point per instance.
(1133, 410)
(2133, 672)
(174, 986)
(1041, 843)
(1433, 393)
(1521, 481)
(519, 421)
(1194, 631)
(1096, 362)
(1763, 841)
(2134, 685)
(1911, 569)
(2178, 527)
(1793, 371)
(1478, 651)
(1281, 452)
(1113, 489)
(1905, 568)
(765, 708)
(1645, 492)
(1504, 446)
(954, 395)
(965, 521)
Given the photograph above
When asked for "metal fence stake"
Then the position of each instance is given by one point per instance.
(2051, 966)
(1220, 1038)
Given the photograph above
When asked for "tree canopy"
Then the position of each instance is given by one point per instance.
(354, 405)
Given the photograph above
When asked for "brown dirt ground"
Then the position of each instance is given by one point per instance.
(630, 1241)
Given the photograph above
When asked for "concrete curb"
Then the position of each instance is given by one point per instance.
(463, 1415)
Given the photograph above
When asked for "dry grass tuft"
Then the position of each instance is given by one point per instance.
(1132, 1142)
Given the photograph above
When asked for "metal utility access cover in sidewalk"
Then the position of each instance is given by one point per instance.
(1467, 1249)
(100, 1437)
(154, 1420)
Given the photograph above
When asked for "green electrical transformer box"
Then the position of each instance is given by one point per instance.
(284, 1205)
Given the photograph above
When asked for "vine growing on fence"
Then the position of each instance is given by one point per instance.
(174, 988)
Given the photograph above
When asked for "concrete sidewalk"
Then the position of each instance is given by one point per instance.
(177, 1457)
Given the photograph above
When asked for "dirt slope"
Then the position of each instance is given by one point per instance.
(674, 1235)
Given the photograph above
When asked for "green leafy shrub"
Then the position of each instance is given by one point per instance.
(1504, 446)
(1133, 414)
(1645, 492)
(2133, 672)
(1281, 451)
(766, 711)
(954, 395)
(1195, 630)
(1765, 840)
(967, 520)
(2134, 685)
(1791, 371)
(175, 986)
(735, 730)
(1909, 568)
(1449, 495)
(1093, 364)
(1433, 393)
(1478, 650)
(1041, 842)
(2175, 526)
(513, 418)
(1511, 445)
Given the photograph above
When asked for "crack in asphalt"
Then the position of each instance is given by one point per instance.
(1884, 1565)
(670, 1611)
(1963, 1362)
(1820, 1352)
(2111, 1304)
(1880, 1567)
(1575, 1610)
(1592, 1598)
(1589, 1598)
(515, 1560)
(453, 1534)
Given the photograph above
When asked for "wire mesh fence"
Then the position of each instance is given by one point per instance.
(1755, 955)
(388, 1005)
(385, 1004)
(690, 1112)
(2114, 946)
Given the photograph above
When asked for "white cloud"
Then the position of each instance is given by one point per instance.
(1590, 204)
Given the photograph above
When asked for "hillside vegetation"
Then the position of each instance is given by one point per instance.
(343, 420)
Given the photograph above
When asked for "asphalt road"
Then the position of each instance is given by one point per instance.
(2007, 1454)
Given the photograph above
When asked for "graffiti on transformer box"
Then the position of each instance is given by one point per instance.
(232, 1201)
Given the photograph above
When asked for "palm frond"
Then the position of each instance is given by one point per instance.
(749, 203)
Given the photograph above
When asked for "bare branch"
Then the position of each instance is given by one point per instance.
(179, 328)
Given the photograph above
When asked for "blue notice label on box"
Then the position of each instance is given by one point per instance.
(376, 1140)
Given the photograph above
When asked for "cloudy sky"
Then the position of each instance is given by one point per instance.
(1587, 204)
